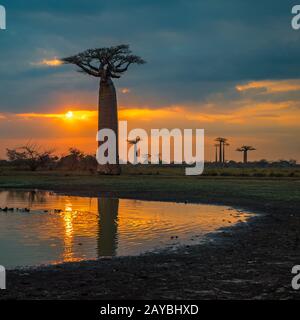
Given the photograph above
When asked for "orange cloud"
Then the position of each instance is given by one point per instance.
(257, 123)
(69, 115)
(282, 113)
(267, 113)
(147, 114)
(207, 117)
(49, 62)
(74, 124)
(271, 86)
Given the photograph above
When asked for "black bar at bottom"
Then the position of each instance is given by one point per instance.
(137, 309)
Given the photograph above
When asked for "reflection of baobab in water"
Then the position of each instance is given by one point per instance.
(108, 226)
(106, 64)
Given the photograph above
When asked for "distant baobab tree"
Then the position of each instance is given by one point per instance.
(222, 142)
(147, 158)
(245, 150)
(216, 154)
(135, 143)
(225, 144)
(106, 64)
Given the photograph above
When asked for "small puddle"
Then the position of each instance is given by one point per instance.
(40, 227)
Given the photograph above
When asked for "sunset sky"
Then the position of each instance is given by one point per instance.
(230, 67)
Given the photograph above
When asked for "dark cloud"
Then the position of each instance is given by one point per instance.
(194, 48)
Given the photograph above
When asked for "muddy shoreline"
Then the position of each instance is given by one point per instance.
(247, 261)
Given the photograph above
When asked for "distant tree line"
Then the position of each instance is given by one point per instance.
(263, 163)
(32, 157)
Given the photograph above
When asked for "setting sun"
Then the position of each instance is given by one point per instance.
(69, 115)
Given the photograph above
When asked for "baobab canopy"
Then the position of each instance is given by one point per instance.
(105, 63)
(245, 150)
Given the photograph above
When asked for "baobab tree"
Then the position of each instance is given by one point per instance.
(221, 143)
(216, 154)
(147, 158)
(106, 64)
(135, 143)
(245, 150)
(225, 144)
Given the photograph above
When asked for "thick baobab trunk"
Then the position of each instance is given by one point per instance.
(245, 157)
(108, 119)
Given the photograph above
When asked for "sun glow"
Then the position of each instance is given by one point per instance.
(69, 115)
(68, 209)
(51, 62)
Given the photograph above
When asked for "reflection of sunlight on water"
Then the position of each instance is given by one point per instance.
(68, 239)
(68, 208)
(67, 228)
